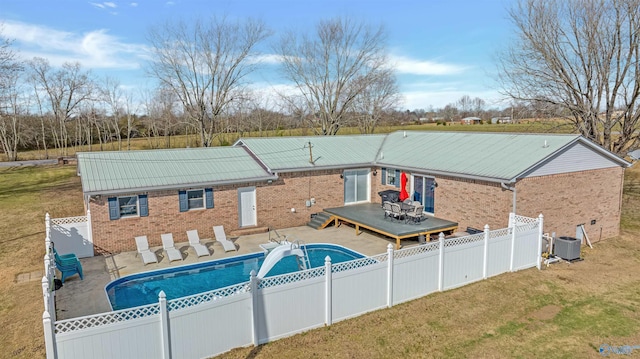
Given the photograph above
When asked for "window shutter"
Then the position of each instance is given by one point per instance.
(398, 178)
(184, 203)
(383, 177)
(143, 205)
(208, 194)
(114, 210)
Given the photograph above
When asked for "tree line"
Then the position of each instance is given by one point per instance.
(575, 59)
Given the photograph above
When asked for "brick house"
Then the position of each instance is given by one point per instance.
(260, 183)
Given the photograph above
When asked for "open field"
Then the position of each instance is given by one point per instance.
(225, 139)
(564, 311)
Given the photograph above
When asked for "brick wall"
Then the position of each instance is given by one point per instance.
(472, 203)
(292, 190)
(567, 200)
(273, 209)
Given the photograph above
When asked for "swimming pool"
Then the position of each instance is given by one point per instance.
(143, 288)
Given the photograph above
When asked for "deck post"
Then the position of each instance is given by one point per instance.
(164, 325)
(390, 254)
(328, 286)
(486, 251)
(441, 262)
(49, 336)
(253, 285)
(539, 253)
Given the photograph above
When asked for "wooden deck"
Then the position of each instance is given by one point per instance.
(371, 216)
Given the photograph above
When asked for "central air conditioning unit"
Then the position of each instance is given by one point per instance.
(567, 248)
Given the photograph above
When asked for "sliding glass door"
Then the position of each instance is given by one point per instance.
(356, 186)
(424, 191)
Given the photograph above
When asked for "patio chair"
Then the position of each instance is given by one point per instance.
(142, 245)
(69, 268)
(194, 242)
(415, 214)
(221, 237)
(386, 206)
(69, 258)
(169, 247)
(396, 211)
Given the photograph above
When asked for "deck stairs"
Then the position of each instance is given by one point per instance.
(321, 220)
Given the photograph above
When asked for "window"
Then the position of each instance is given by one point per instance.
(128, 206)
(390, 177)
(195, 199)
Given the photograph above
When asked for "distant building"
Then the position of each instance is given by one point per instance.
(471, 120)
(505, 119)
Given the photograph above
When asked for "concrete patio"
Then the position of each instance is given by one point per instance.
(86, 297)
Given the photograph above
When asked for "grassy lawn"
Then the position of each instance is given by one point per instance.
(564, 311)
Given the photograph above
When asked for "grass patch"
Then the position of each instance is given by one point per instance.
(26, 194)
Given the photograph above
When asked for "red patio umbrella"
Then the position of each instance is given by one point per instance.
(403, 185)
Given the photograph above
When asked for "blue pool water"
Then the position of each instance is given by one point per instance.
(143, 288)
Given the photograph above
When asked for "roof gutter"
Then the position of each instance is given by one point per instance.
(449, 174)
(176, 186)
(320, 168)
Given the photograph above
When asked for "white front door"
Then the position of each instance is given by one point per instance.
(247, 206)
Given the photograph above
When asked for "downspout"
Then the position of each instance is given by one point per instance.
(512, 189)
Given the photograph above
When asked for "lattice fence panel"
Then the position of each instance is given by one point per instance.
(499, 233)
(354, 264)
(291, 277)
(452, 242)
(412, 251)
(524, 220)
(523, 227)
(190, 301)
(69, 220)
(71, 325)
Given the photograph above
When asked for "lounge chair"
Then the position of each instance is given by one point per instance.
(221, 237)
(194, 242)
(69, 268)
(415, 214)
(169, 248)
(143, 249)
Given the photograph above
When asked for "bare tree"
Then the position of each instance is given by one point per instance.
(582, 56)
(113, 95)
(376, 99)
(205, 64)
(331, 67)
(161, 119)
(10, 100)
(63, 91)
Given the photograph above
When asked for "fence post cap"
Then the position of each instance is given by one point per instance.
(161, 295)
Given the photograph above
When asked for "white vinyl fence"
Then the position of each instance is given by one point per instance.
(71, 235)
(260, 311)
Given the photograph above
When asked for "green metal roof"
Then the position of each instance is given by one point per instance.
(126, 171)
(494, 156)
(281, 154)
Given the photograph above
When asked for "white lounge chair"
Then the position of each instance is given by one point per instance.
(143, 249)
(194, 242)
(221, 237)
(169, 248)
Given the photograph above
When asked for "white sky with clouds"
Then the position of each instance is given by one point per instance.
(441, 49)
